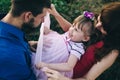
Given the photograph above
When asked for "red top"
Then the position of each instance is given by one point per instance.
(86, 61)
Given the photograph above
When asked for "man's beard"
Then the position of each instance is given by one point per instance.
(29, 27)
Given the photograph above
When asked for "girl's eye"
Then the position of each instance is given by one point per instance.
(75, 29)
(72, 26)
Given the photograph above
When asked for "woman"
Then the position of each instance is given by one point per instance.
(105, 51)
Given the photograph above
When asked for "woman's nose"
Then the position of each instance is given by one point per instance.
(98, 25)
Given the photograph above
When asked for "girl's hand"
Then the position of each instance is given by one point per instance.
(53, 11)
(40, 65)
(54, 75)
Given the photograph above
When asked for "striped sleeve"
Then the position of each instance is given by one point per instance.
(77, 49)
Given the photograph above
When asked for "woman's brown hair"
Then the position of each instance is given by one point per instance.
(110, 18)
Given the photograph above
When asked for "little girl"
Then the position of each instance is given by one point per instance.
(62, 51)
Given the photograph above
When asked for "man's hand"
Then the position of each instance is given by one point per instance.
(33, 45)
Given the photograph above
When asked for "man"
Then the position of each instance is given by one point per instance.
(15, 61)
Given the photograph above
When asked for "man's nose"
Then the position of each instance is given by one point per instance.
(42, 20)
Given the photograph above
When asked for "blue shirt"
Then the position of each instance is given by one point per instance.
(15, 61)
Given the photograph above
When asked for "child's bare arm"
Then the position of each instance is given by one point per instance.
(64, 24)
(68, 66)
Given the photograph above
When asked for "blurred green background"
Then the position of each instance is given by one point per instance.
(70, 9)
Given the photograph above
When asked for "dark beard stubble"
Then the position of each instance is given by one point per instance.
(29, 27)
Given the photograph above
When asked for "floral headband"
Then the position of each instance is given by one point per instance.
(89, 15)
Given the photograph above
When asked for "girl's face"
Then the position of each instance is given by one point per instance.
(99, 26)
(78, 34)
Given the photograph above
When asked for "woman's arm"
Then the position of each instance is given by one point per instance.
(101, 66)
(68, 66)
(94, 72)
(65, 25)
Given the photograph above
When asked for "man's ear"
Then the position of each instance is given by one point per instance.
(86, 38)
(27, 16)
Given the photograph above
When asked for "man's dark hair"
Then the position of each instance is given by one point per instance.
(34, 6)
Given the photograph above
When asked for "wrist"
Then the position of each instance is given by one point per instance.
(56, 15)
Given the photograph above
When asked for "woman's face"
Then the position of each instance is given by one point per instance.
(99, 26)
